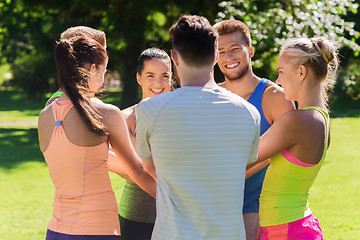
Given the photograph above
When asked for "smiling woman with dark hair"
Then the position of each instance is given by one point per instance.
(137, 208)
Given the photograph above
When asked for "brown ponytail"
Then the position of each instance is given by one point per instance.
(73, 57)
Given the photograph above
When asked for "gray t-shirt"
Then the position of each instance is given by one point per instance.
(200, 140)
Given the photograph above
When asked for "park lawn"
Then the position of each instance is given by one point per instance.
(26, 191)
(334, 197)
(15, 108)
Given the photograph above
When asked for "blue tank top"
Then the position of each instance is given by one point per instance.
(253, 185)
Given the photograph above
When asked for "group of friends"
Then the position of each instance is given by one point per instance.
(233, 160)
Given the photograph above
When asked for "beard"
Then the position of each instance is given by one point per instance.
(237, 75)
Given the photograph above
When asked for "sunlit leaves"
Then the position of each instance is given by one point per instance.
(280, 20)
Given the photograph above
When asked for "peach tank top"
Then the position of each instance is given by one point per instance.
(84, 202)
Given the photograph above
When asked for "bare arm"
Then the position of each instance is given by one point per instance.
(281, 135)
(115, 166)
(150, 167)
(122, 146)
(129, 114)
(46, 124)
(274, 106)
(255, 168)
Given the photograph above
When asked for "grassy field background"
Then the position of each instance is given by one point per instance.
(26, 191)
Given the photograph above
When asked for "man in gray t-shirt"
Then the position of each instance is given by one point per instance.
(197, 141)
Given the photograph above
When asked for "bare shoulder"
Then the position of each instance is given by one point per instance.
(312, 118)
(308, 126)
(46, 114)
(129, 112)
(106, 109)
(111, 115)
(46, 124)
(290, 118)
(273, 90)
(274, 103)
(300, 119)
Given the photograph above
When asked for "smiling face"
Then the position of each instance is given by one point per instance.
(234, 55)
(155, 77)
(289, 77)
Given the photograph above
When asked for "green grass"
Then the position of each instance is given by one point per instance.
(334, 197)
(344, 107)
(26, 191)
(15, 108)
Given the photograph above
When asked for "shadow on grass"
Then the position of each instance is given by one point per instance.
(18, 145)
(354, 113)
(17, 101)
(342, 107)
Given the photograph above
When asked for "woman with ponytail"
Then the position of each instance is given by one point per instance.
(74, 135)
(78, 31)
(297, 142)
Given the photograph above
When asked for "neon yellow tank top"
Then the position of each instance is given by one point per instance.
(284, 196)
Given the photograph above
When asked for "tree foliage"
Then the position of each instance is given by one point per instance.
(271, 22)
(29, 29)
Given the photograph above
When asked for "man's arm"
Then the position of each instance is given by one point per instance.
(251, 170)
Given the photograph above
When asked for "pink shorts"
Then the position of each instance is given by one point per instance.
(307, 228)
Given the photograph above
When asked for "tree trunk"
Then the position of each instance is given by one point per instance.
(135, 43)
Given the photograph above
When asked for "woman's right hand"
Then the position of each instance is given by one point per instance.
(122, 146)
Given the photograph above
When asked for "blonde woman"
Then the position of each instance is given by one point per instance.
(297, 142)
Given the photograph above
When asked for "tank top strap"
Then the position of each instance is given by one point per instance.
(262, 85)
(256, 100)
(60, 110)
(256, 96)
